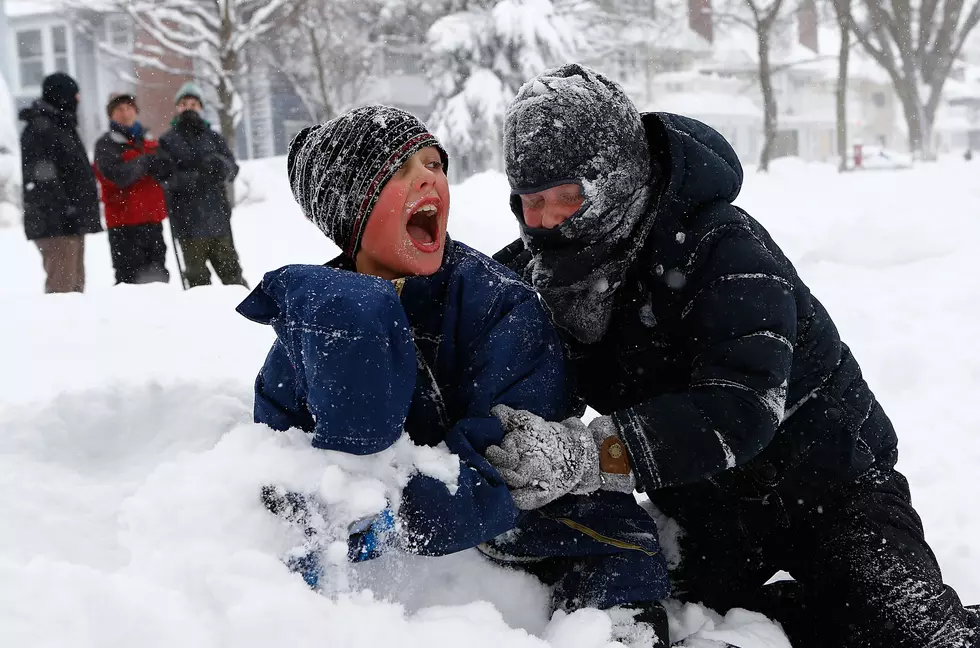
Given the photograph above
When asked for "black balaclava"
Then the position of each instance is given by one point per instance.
(337, 169)
(571, 125)
(60, 91)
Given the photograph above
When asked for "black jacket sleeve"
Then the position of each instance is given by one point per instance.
(741, 318)
(224, 154)
(108, 159)
(185, 162)
(44, 189)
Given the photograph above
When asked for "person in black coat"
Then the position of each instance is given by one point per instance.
(197, 195)
(61, 201)
(741, 413)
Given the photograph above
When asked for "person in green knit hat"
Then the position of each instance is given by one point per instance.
(197, 193)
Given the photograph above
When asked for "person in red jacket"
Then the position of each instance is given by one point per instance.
(130, 169)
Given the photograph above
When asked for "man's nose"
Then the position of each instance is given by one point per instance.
(553, 217)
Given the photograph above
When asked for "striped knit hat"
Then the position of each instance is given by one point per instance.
(337, 169)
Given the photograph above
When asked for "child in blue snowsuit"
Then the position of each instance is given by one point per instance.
(410, 331)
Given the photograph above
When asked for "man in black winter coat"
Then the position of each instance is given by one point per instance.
(197, 194)
(61, 202)
(725, 391)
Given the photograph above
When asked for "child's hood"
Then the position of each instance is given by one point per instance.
(305, 293)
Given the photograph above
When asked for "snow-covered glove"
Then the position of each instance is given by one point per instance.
(297, 509)
(370, 537)
(541, 461)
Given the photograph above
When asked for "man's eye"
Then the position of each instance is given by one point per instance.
(435, 164)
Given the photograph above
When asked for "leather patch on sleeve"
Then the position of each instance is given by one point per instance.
(613, 458)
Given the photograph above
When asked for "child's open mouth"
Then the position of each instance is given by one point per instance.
(423, 227)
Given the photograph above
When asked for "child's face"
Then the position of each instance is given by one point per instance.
(406, 231)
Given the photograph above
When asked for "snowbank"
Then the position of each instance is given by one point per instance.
(130, 471)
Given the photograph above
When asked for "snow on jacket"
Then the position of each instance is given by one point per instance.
(449, 348)
(197, 192)
(130, 194)
(60, 194)
(720, 368)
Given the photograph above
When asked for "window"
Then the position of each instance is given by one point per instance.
(41, 51)
(30, 58)
(118, 33)
(878, 99)
(59, 45)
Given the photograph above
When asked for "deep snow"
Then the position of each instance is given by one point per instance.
(129, 469)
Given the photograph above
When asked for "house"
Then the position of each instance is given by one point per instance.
(723, 102)
(718, 83)
(39, 40)
(957, 125)
(275, 113)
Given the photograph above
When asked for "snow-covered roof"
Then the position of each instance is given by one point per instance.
(706, 104)
(811, 118)
(27, 8)
(678, 37)
(23, 8)
(737, 50)
(954, 89)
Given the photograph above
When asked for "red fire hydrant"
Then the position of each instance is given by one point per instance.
(858, 155)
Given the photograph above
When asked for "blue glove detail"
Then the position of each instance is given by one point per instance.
(370, 537)
(308, 566)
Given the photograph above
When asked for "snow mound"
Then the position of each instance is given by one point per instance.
(130, 471)
(132, 514)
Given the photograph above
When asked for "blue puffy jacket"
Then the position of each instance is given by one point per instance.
(356, 363)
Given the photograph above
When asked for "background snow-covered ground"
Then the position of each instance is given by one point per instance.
(129, 470)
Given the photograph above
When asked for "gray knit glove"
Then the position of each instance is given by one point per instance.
(541, 461)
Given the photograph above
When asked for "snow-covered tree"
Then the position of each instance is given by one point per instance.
(212, 37)
(479, 55)
(916, 42)
(329, 51)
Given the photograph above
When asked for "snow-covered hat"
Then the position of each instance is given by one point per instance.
(189, 89)
(337, 169)
(572, 125)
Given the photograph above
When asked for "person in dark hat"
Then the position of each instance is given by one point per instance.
(130, 170)
(61, 202)
(197, 192)
(409, 331)
(741, 413)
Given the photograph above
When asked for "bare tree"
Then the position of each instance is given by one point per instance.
(210, 37)
(614, 25)
(842, 9)
(916, 43)
(762, 17)
(330, 51)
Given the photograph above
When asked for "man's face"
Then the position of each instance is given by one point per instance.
(550, 208)
(124, 114)
(406, 231)
(189, 103)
